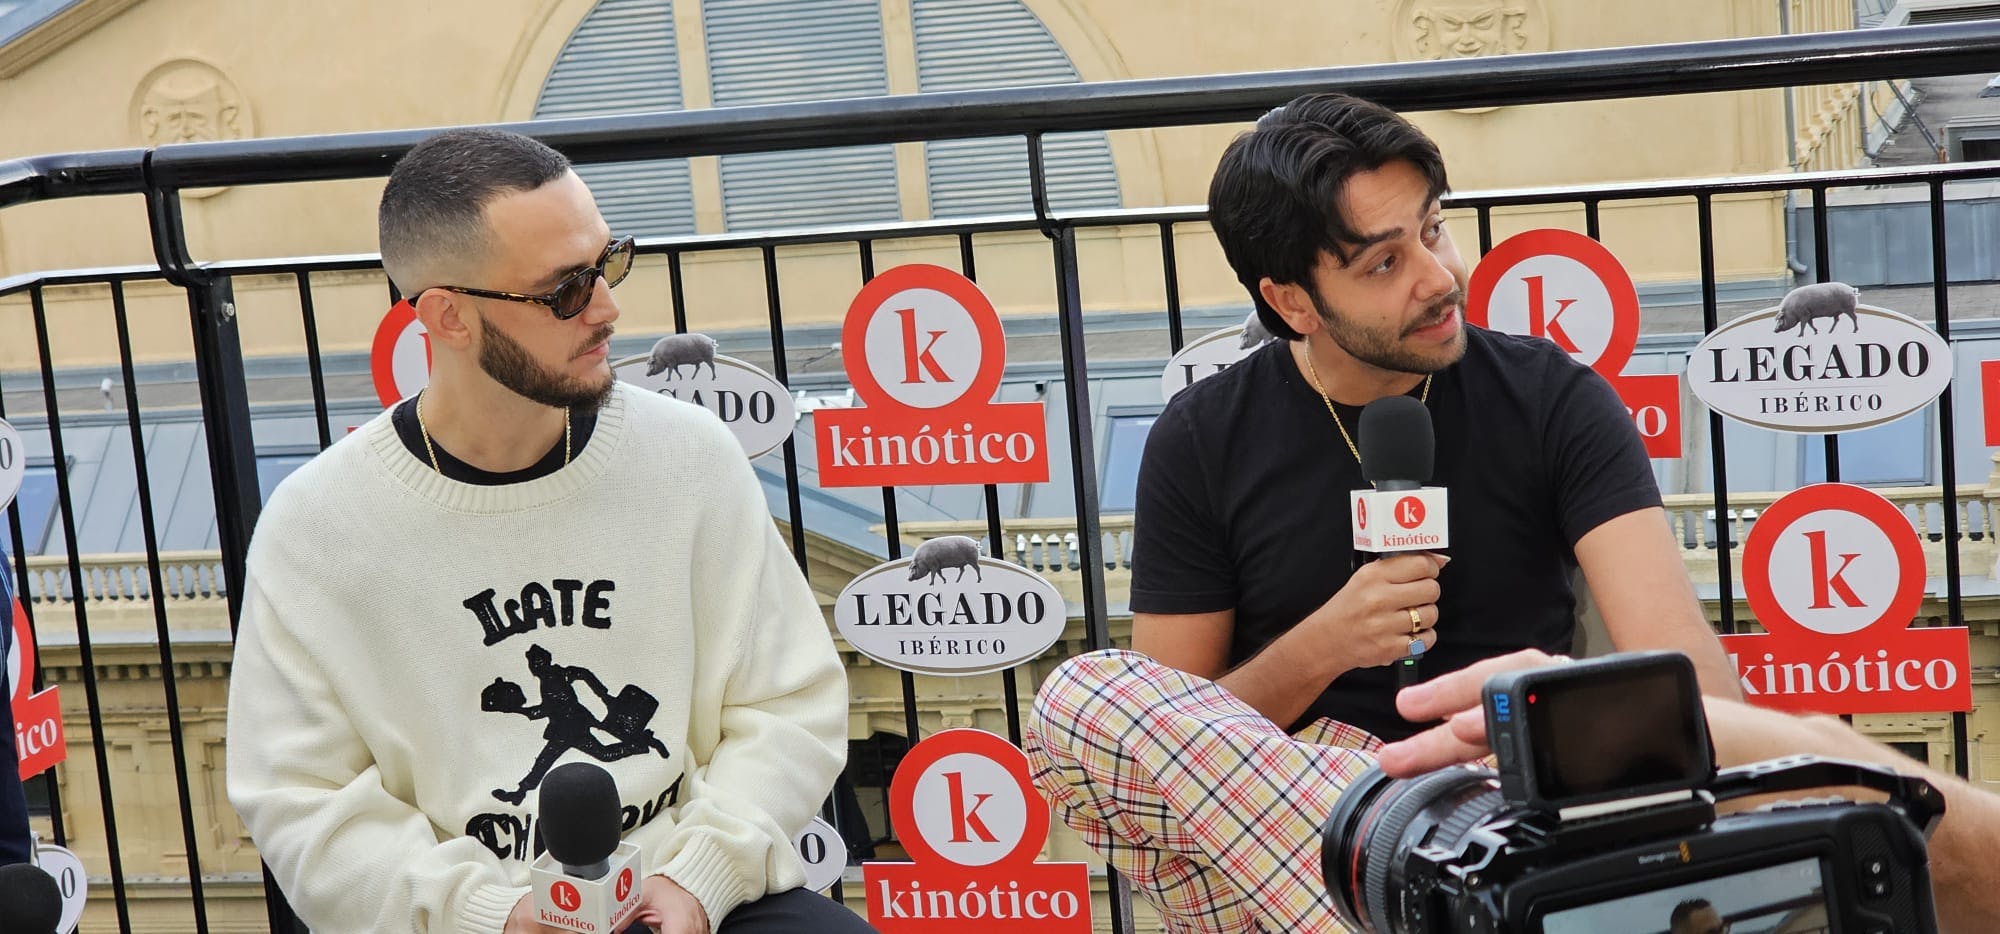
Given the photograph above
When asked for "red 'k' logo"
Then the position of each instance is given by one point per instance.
(624, 886)
(565, 896)
(1361, 511)
(1409, 512)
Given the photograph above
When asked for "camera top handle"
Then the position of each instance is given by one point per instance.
(1915, 798)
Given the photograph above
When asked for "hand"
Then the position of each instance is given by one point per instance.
(670, 909)
(1368, 622)
(522, 919)
(1454, 698)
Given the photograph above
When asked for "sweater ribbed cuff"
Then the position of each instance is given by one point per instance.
(704, 869)
(487, 908)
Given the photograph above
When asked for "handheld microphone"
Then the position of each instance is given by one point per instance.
(1398, 452)
(30, 903)
(587, 880)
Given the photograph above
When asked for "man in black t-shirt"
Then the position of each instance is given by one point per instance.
(1241, 570)
(1251, 620)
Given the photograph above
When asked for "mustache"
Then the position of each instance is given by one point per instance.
(1437, 312)
(597, 337)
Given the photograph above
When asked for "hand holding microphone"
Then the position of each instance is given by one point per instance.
(1398, 453)
(1386, 609)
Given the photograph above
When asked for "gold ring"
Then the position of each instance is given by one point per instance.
(1416, 622)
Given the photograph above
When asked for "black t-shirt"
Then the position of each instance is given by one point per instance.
(1242, 503)
(582, 420)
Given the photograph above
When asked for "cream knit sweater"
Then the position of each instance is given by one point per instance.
(416, 652)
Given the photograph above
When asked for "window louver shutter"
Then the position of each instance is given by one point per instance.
(623, 59)
(781, 51)
(967, 45)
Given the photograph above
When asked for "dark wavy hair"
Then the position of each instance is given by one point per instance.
(1275, 200)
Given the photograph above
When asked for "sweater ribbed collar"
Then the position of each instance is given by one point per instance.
(388, 451)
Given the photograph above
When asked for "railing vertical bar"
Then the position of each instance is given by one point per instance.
(1171, 274)
(892, 531)
(22, 580)
(781, 370)
(311, 324)
(1947, 462)
(1717, 459)
(142, 476)
(1083, 460)
(1823, 272)
(677, 288)
(1591, 227)
(86, 658)
(1485, 229)
(1010, 684)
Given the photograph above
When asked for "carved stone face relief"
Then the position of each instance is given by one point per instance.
(1445, 29)
(188, 101)
(1468, 31)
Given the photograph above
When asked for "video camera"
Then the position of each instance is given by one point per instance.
(1602, 817)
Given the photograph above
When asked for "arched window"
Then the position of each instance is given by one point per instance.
(624, 57)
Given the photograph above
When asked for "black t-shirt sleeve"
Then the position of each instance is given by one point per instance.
(1180, 563)
(1599, 468)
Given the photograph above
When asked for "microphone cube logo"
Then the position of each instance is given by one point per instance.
(1417, 520)
(565, 896)
(1409, 512)
(623, 889)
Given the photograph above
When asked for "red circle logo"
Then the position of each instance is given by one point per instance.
(1409, 512)
(565, 896)
(624, 886)
(1361, 511)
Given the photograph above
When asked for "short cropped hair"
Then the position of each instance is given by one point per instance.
(1685, 910)
(433, 209)
(1275, 200)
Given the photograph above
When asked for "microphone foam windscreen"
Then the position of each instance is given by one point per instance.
(1396, 440)
(579, 816)
(30, 903)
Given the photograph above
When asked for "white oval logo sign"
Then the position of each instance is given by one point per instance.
(71, 881)
(13, 463)
(1800, 372)
(945, 610)
(1208, 355)
(757, 408)
(823, 853)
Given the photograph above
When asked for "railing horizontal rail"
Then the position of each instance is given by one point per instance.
(1549, 77)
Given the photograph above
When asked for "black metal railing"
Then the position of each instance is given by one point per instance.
(226, 407)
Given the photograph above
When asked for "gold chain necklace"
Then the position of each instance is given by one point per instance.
(1311, 369)
(432, 451)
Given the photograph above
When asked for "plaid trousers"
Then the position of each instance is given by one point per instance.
(1208, 807)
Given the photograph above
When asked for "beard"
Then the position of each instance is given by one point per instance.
(511, 365)
(1383, 348)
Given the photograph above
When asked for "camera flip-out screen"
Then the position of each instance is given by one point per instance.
(1602, 735)
(1625, 727)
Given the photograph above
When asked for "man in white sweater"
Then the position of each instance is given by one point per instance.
(527, 564)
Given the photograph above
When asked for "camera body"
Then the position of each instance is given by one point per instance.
(1601, 816)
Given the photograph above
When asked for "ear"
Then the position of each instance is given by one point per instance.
(447, 317)
(1293, 304)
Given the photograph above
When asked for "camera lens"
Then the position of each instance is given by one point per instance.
(1366, 847)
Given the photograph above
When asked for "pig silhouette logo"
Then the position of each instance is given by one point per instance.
(678, 350)
(1805, 305)
(939, 555)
